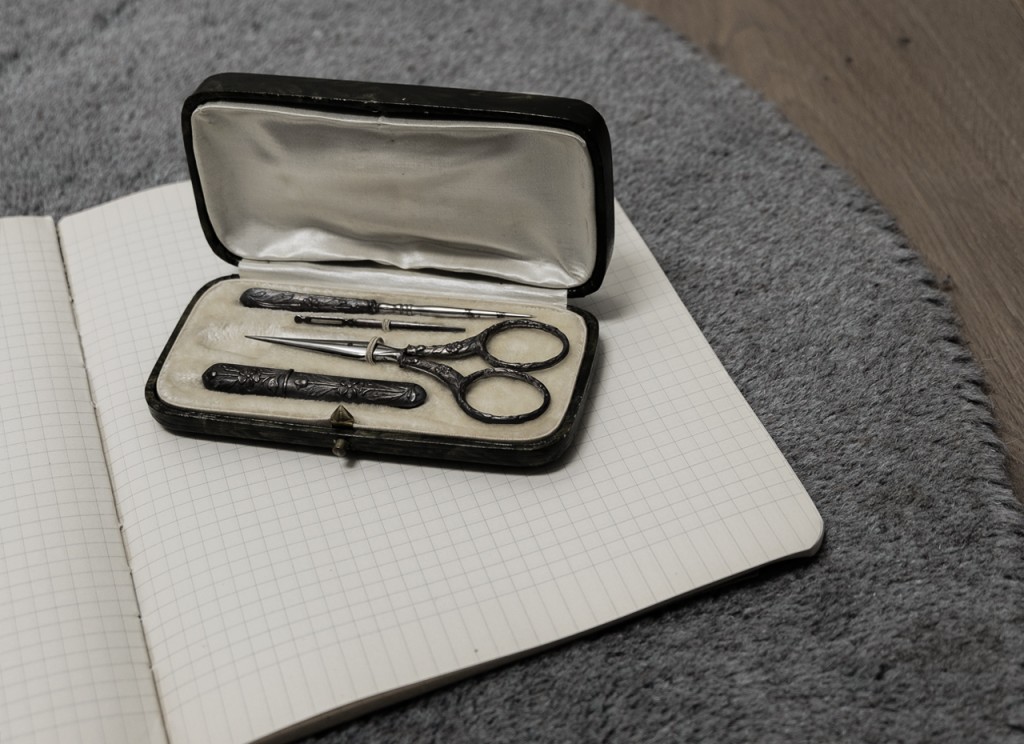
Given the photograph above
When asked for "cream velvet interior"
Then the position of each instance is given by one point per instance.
(491, 199)
(216, 328)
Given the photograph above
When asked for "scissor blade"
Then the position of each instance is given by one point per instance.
(352, 349)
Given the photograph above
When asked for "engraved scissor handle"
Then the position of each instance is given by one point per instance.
(421, 358)
(460, 385)
(477, 346)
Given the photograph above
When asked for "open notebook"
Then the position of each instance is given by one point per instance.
(159, 587)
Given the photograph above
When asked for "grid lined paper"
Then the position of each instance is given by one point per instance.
(73, 663)
(276, 585)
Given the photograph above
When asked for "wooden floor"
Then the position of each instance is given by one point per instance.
(923, 101)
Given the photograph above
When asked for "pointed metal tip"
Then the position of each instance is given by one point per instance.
(495, 314)
(279, 340)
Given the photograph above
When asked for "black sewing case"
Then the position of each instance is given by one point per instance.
(389, 196)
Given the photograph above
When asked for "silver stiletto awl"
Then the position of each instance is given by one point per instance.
(274, 299)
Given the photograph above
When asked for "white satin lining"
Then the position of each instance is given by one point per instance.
(491, 199)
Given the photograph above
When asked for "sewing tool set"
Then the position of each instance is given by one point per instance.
(407, 258)
(248, 380)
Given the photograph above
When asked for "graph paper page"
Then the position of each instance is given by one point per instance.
(276, 585)
(73, 664)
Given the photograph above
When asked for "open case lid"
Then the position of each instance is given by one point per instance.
(471, 183)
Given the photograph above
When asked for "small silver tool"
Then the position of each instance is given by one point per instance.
(274, 299)
(383, 324)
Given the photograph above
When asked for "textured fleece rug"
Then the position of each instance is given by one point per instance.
(908, 625)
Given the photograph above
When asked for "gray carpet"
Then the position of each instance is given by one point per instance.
(908, 625)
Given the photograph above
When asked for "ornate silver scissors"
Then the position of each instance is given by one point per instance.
(420, 358)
